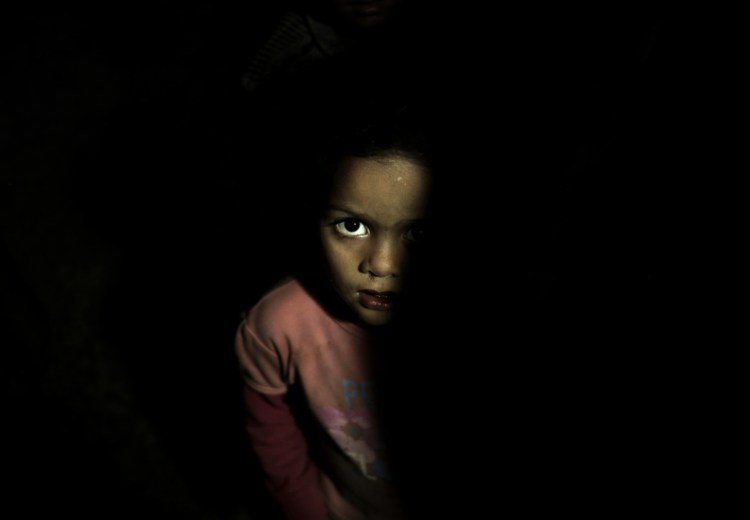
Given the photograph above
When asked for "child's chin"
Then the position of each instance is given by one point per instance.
(376, 318)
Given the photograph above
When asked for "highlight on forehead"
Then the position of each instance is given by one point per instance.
(384, 192)
(392, 162)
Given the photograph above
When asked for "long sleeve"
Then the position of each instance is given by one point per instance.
(281, 448)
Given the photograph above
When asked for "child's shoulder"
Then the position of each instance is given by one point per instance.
(283, 303)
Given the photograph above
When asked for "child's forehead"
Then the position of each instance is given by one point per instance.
(393, 168)
(381, 184)
(383, 162)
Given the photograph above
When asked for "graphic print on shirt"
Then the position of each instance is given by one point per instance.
(354, 428)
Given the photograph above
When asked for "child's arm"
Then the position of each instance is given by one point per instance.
(281, 448)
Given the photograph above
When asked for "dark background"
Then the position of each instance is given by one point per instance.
(136, 226)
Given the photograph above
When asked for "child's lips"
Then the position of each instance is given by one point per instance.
(377, 301)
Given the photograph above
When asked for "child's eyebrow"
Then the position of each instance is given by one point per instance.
(344, 209)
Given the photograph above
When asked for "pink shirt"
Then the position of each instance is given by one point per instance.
(288, 339)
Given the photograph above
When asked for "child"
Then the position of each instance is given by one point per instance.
(311, 349)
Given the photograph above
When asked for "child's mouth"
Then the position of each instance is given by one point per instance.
(377, 301)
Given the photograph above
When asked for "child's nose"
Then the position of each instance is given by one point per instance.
(384, 259)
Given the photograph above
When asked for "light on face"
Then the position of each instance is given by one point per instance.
(375, 214)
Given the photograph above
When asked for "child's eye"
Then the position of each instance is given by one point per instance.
(351, 227)
(415, 234)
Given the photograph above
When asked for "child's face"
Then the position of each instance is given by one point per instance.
(373, 217)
